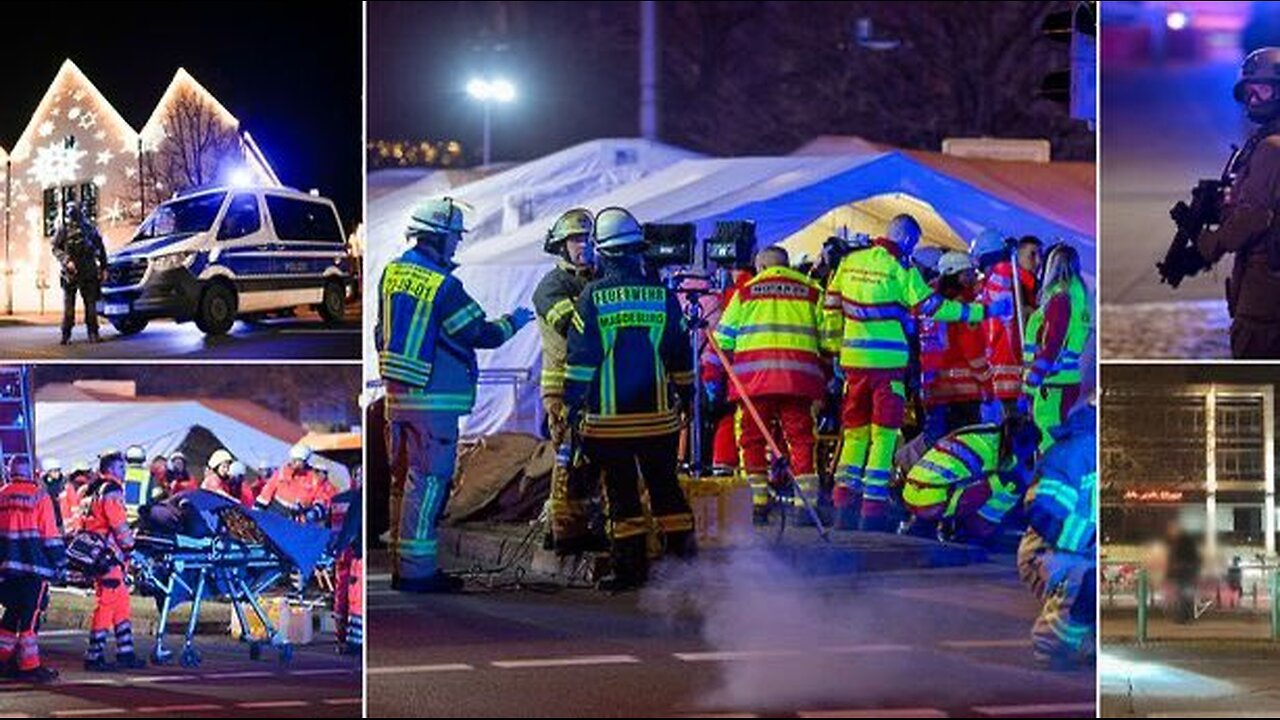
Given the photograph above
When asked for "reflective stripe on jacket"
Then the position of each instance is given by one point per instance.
(1004, 345)
(953, 361)
(30, 542)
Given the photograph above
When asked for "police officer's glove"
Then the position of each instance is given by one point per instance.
(1002, 307)
(520, 317)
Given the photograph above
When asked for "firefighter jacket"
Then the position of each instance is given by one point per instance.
(216, 483)
(770, 332)
(1056, 337)
(953, 361)
(870, 300)
(137, 488)
(30, 541)
(296, 491)
(628, 350)
(1004, 344)
(107, 515)
(969, 456)
(553, 301)
(1062, 503)
(427, 332)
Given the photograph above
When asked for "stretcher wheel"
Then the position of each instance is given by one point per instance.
(286, 654)
(190, 657)
(161, 657)
(255, 651)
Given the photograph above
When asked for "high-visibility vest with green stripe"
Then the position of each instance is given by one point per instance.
(966, 456)
(873, 295)
(1065, 369)
(770, 330)
(137, 489)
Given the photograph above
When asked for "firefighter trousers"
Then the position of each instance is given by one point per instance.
(422, 450)
(22, 598)
(574, 482)
(348, 600)
(1066, 583)
(874, 405)
(1050, 406)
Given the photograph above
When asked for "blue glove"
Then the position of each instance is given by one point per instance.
(520, 317)
(1001, 307)
(992, 412)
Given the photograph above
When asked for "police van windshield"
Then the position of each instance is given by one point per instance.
(184, 215)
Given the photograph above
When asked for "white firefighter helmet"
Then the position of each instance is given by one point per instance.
(300, 453)
(437, 216)
(1262, 66)
(986, 242)
(954, 262)
(219, 457)
(51, 464)
(617, 232)
(135, 454)
(577, 222)
(238, 469)
(81, 466)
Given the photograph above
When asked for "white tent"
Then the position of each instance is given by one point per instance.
(82, 429)
(527, 196)
(793, 201)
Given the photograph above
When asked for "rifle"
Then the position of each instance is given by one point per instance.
(1183, 260)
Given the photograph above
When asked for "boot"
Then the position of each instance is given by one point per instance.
(39, 675)
(915, 527)
(846, 505)
(66, 339)
(438, 583)
(630, 565)
(98, 665)
(681, 545)
(129, 661)
(875, 517)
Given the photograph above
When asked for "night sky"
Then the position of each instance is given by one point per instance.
(291, 73)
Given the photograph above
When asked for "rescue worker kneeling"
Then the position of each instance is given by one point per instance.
(770, 334)
(31, 555)
(1057, 558)
(965, 485)
(628, 350)
(108, 519)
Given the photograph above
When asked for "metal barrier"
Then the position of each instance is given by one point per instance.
(1125, 582)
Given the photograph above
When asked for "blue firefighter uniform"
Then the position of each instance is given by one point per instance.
(1057, 558)
(427, 333)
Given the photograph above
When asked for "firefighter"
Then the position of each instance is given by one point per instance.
(569, 240)
(770, 334)
(296, 490)
(427, 333)
(966, 483)
(1056, 336)
(65, 495)
(31, 556)
(871, 300)
(178, 478)
(225, 476)
(83, 258)
(628, 350)
(991, 254)
(1057, 557)
(955, 377)
(1247, 227)
(108, 519)
(348, 566)
(138, 489)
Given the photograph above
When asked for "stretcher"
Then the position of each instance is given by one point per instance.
(224, 552)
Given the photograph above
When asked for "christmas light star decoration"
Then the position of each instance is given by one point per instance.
(105, 157)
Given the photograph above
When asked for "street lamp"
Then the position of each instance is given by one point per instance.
(489, 91)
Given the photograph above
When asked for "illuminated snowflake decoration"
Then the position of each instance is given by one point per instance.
(100, 135)
(114, 213)
(56, 164)
(87, 121)
(130, 171)
(46, 128)
(74, 112)
(78, 95)
(105, 157)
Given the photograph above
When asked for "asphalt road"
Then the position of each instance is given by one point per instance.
(304, 337)
(227, 684)
(745, 642)
(1192, 679)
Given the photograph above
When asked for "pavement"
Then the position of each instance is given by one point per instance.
(317, 683)
(303, 337)
(1190, 679)
(747, 634)
(1165, 129)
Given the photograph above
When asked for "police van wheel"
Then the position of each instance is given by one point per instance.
(217, 310)
(129, 325)
(333, 304)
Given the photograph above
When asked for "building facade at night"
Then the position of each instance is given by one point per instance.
(1202, 455)
(78, 148)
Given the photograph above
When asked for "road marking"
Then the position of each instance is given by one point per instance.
(412, 669)
(14, 715)
(323, 671)
(343, 701)
(270, 704)
(197, 707)
(735, 655)
(566, 661)
(874, 713)
(1043, 709)
(847, 649)
(238, 675)
(63, 633)
(981, 644)
(377, 577)
(84, 712)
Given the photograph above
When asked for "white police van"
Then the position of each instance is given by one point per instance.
(215, 255)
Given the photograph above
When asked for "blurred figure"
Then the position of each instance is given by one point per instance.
(1056, 336)
(32, 555)
(1182, 571)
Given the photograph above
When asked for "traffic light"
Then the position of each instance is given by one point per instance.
(1075, 85)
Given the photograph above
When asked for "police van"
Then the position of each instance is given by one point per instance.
(216, 255)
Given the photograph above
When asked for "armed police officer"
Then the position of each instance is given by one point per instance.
(79, 250)
(427, 333)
